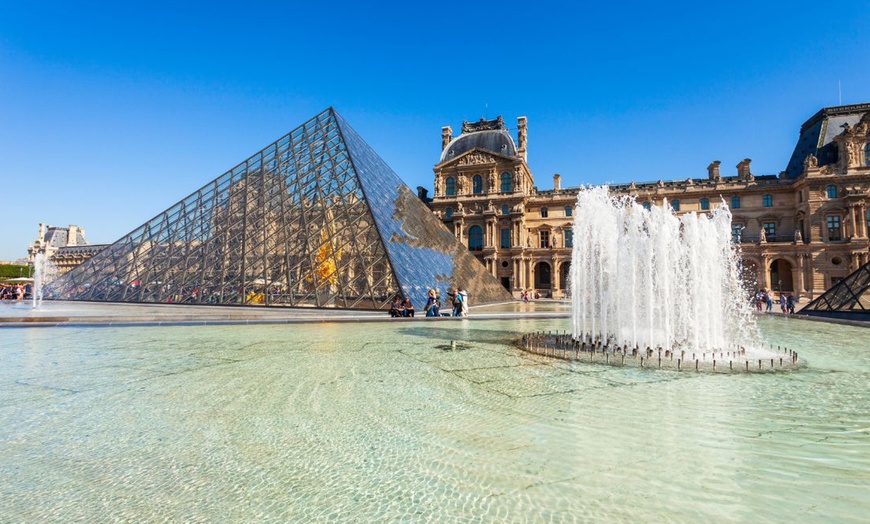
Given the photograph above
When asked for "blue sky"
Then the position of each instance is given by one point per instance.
(110, 113)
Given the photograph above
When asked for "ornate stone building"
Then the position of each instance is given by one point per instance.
(66, 247)
(800, 231)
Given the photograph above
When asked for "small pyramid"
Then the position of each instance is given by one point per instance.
(316, 219)
(847, 299)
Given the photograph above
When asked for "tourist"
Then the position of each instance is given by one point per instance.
(456, 298)
(769, 302)
(396, 307)
(432, 305)
(463, 299)
(790, 301)
(407, 308)
(782, 303)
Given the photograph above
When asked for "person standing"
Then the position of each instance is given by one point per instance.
(464, 302)
(782, 303)
(432, 306)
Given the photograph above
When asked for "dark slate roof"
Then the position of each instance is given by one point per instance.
(497, 141)
(817, 135)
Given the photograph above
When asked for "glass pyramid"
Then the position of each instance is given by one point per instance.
(847, 299)
(316, 219)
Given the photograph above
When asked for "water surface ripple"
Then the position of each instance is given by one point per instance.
(382, 422)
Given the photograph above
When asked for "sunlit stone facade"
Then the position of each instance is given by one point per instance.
(799, 231)
(65, 247)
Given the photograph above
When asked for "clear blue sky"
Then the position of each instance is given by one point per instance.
(110, 111)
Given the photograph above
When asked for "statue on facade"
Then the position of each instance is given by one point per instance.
(811, 161)
(797, 236)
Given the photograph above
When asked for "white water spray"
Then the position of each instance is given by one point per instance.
(44, 271)
(650, 279)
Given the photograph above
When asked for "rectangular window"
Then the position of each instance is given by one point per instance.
(767, 200)
(506, 238)
(834, 227)
(569, 239)
(735, 202)
(769, 230)
(545, 239)
(569, 211)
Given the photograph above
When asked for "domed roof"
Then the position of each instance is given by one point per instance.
(497, 141)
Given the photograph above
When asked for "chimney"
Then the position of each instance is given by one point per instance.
(713, 170)
(446, 136)
(743, 172)
(423, 194)
(557, 182)
(71, 236)
(522, 136)
(41, 231)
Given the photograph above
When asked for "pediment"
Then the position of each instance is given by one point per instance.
(475, 157)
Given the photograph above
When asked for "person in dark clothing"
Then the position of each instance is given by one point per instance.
(396, 308)
(407, 308)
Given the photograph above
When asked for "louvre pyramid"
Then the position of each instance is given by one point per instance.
(316, 219)
(847, 299)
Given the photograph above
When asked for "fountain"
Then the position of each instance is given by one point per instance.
(44, 271)
(659, 290)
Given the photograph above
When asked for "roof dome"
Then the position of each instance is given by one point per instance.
(497, 141)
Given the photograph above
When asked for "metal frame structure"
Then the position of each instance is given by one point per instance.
(315, 219)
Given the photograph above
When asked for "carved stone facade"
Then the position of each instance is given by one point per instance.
(66, 247)
(800, 231)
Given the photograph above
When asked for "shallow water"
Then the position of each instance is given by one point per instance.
(379, 422)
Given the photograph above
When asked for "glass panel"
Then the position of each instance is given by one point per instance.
(308, 221)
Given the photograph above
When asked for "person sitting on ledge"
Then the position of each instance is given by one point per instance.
(408, 308)
(396, 309)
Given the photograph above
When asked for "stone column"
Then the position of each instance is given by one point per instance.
(765, 272)
(797, 276)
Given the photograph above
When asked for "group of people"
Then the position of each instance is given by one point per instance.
(458, 304)
(14, 292)
(763, 299)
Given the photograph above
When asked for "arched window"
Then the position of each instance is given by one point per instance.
(477, 184)
(448, 213)
(705, 204)
(675, 205)
(505, 209)
(735, 202)
(506, 185)
(867, 154)
(569, 211)
(475, 238)
(832, 191)
(767, 200)
(450, 186)
(544, 212)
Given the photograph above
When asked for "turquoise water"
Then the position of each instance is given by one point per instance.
(378, 422)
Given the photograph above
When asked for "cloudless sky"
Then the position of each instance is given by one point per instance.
(111, 112)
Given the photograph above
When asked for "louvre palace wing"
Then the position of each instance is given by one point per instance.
(316, 219)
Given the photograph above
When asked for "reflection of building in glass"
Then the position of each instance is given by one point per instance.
(314, 219)
(800, 231)
(65, 247)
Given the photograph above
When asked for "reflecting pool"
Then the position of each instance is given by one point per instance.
(373, 422)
